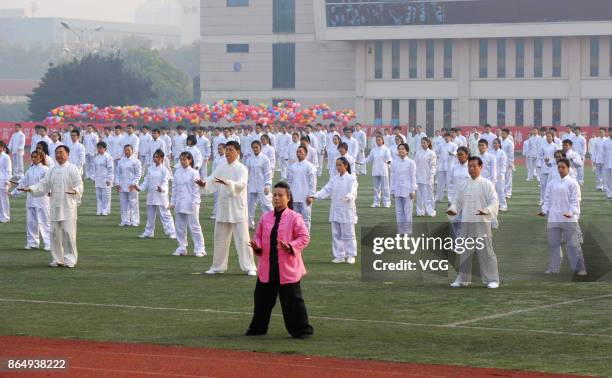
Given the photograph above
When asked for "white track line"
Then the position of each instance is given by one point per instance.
(457, 325)
(529, 309)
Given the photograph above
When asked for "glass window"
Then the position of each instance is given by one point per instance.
(557, 46)
(395, 111)
(594, 112)
(520, 57)
(283, 20)
(556, 112)
(377, 112)
(237, 48)
(519, 115)
(594, 56)
(412, 112)
(430, 52)
(501, 112)
(482, 112)
(501, 58)
(448, 58)
(378, 60)
(429, 115)
(448, 114)
(395, 59)
(283, 65)
(537, 112)
(538, 52)
(412, 59)
(237, 3)
(483, 58)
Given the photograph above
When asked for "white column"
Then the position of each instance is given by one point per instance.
(386, 112)
(474, 112)
(510, 58)
(462, 71)
(421, 59)
(547, 112)
(360, 81)
(492, 112)
(439, 59)
(565, 112)
(403, 112)
(574, 75)
(528, 112)
(492, 58)
(547, 58)
(404, 59)
(604, 112)
(529, 58)
(510, 112)
(421, 117)
(438, 114)
(604, 56)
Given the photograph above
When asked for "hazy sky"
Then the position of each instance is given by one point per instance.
(107, 10)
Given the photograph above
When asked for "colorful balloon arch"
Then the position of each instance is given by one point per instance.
(230, 111)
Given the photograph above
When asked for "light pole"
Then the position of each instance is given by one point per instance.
(80, 36)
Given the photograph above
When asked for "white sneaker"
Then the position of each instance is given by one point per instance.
(134, 225)
(71, 266)
(338, 261)
(123, 225)
(179, 253)
(252, 273)
(200, 254)
(433, 215)
(28, 247)
(54, 264)
(582, 273)
(350, 260)
(47, 248)
(213, 271)
(145, 236)
(458, 283)
(212, 217)
(504, 209)
(173, 236)
(388, 205)
(374, 205)
(492, 285)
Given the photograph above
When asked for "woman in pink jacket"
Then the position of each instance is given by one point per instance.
(279, 240)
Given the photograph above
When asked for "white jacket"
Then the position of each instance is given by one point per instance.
(403, 177)
(127, 172)
(426, 161)
(343, 192)
(380, 157)
(185, 191)
(260, 173)
(562, 196)
(157, 176)
(33, 176)
(302, 178)
(103, 170)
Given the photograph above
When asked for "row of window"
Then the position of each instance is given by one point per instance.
(283, 62)
(283, 14)
(594, 119)
(412, 59)
(594, 46)
(412, 113)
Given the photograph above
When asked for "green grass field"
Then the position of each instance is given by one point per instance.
(131, 290)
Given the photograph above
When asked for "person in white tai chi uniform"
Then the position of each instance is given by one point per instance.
(260, 182)
(229, 180)
(104, 172)
(302, 177)
(127, 175)
(380, 159)
(5, 183)
(17, 148)
(64, 183)
(425, 160)
(90, 141)
(403, 188)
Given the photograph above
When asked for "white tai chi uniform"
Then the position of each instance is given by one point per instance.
(197, 157)
(607, 158)
(203, 146)
(158, 144)
(547, 151)
(269, 151)
(260, 178)
(16, 147)
(445, 153)
(186, 202)
(353, 148)
(103, 181)
(302, 178)
(282, 150)
(576, 162)
(322, 139)
(360, 135)
(144, 149)
(132, 140)
(563, 197)
(473, 195)
(37, 209)
(77, 155)
(501, 164)
(158, 176)
(425, 161)
(530, 151)
(489, 167)
(90, 140)
(128, 172)
(342, 189)
(63, 213)
(5, 178)
(508, 148)
(579, 145)
(403, 183)
(232, 215)
(179, 143)
(332, 155)
(596, 152)
(380, 158)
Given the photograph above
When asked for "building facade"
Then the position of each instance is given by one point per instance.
(433, 63)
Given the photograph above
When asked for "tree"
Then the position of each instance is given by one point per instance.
(96, 79)
(15, 112)
(186, 58)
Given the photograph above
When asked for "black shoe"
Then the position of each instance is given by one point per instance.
(253, 333)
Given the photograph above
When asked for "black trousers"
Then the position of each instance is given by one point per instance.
(292, 303)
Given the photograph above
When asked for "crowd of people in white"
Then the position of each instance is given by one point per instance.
(473, 174)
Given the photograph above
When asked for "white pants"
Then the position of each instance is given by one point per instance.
(500, 186)
(608, 182)
(344, 243)
(381, 185)
(508, 182)
(284, 164)
(599, 176)
(103, 200)
(489, 271)
(403, 215)
(571, 234)
(321, 156)
(580, 174)
(130, 212)
(305, 210)
(5, 206)
(193, 221)
(164, 215)
(543, 182)
(63, 242)
(223, 235)
(362, 168)
(424, 200)
(441, 187)
(17, 165)
(204, 169)
(89, 166)
(258, 198)
(531, 167)
(37, 225)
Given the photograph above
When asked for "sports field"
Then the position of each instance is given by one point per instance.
(126, 289)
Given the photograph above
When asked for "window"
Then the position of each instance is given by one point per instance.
(430, 51)
(377, 112)
(483, 58)
(501, 58)
(395, 113)
(237, 48)
(448, 58)
(448, 114)
(611, 63)
(482, 112)
(276, 101)
(557, 46)
(537, 112)
(556, 112)
(378, 59)
(395, 59)
(283, 12)
(594, 56)
(594, 112)
(237, 3)
(519, 115)
(412, 113)
(501, 112)
(520, 57)
(538, 52)
(429, 115)
(412, 59)
(283, 65)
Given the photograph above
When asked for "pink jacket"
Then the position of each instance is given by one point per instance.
(293, 231)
